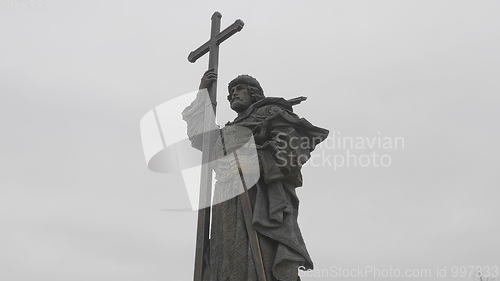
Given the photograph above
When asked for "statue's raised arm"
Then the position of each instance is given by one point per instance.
(194, 114)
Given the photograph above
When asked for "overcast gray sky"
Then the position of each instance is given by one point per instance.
(78, 203)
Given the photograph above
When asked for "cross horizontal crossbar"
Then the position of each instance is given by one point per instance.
(221, 37)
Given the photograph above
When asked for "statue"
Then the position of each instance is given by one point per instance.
(273, 199)
(254, 230)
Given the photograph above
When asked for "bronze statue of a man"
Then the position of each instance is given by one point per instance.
(283, 142)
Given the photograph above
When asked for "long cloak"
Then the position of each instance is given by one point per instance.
(274, 200)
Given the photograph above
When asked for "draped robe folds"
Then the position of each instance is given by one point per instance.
(274, 200)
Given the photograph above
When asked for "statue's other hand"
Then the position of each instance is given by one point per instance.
(260, 133)
(208, 78)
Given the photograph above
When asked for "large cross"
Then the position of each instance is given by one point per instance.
(202, 236)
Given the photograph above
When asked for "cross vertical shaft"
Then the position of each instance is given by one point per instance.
(202, 235)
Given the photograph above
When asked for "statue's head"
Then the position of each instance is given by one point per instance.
(244, 90)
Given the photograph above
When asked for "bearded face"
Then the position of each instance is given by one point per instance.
(241, 98)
